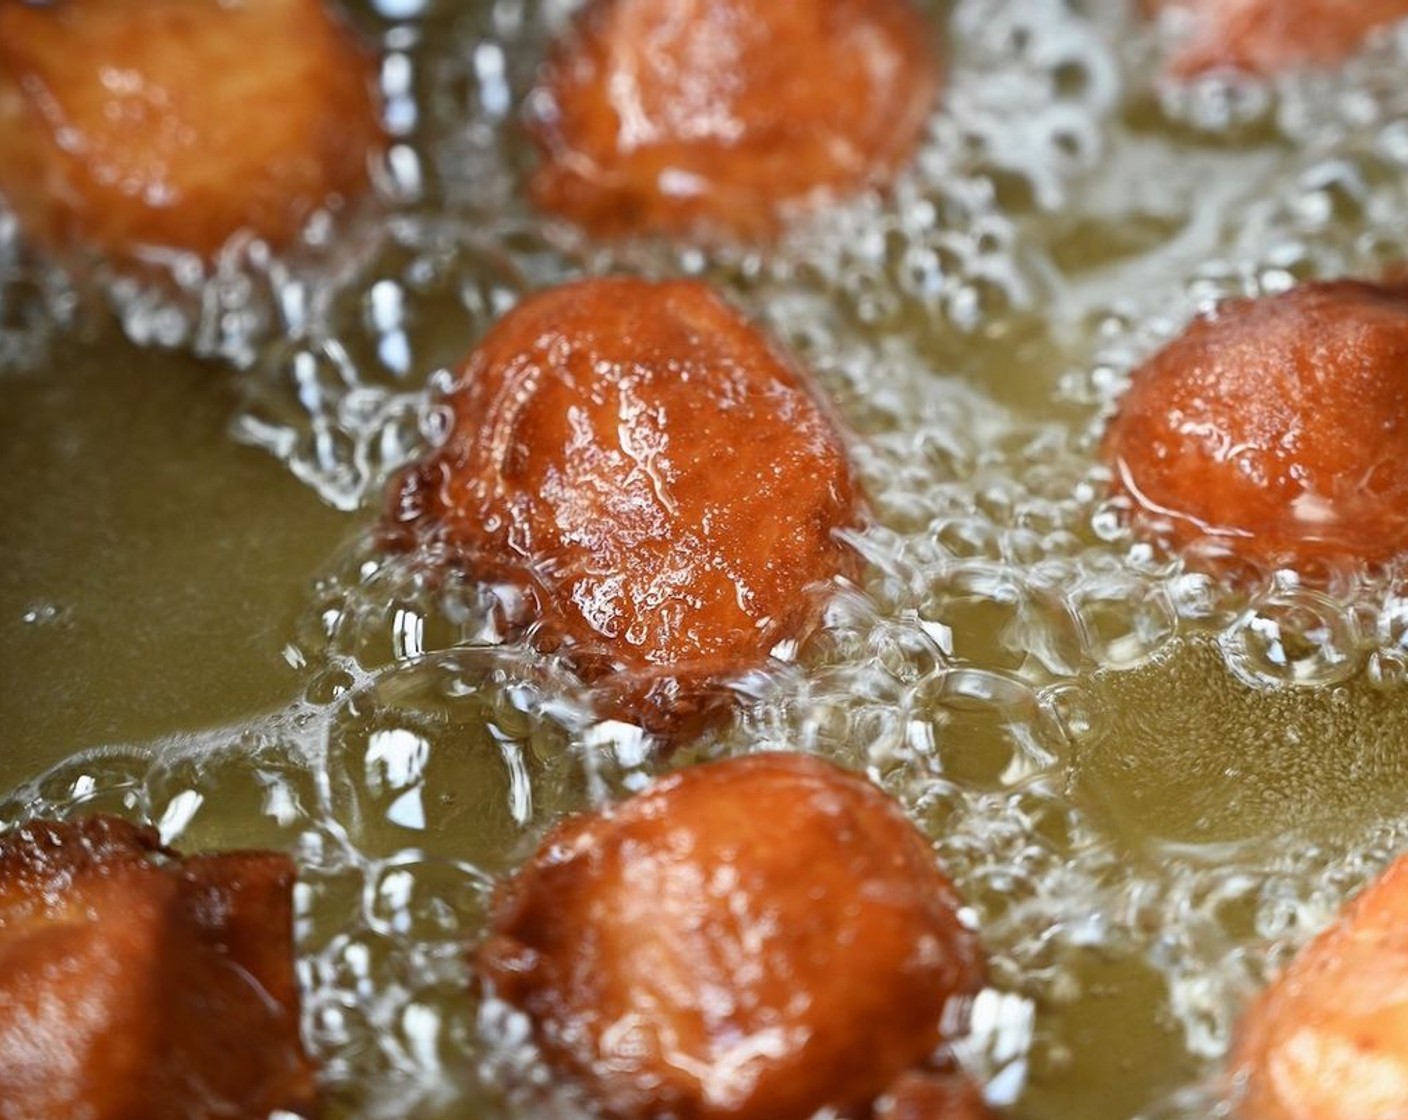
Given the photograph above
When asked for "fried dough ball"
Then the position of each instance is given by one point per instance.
(137, 985)
(722, 116)
(173, 124)
(1270, 36)
(753, 939)
(1279, 424)
(1328, 1040)
(662, 481)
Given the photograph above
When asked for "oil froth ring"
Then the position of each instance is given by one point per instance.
(1277, 427)
(755, 939)
(174, 124)
(662, 116)
(640, 458)
(134, 987)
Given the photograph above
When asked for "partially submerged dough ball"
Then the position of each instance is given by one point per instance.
(131, 127)
(723, 116)
(1276, 427)
(755, 939)
(1266, 37)
(1328, 1040)
(663, 481)
(137, 984)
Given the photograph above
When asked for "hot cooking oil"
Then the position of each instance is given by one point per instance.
(1151, 785)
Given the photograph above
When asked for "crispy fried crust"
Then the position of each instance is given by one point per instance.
(136, 985)
(1279, 424)
(1328, 1040)
(173, 124)
(753, 939)
(683, 116)
(639, 457)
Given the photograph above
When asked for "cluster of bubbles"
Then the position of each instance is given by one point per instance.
(1103, 741)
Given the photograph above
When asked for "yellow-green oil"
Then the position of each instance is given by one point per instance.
(1149, 784)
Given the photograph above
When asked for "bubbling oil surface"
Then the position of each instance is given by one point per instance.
(1150, 787)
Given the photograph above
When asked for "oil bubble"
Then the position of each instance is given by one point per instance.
(1293, 638)
(427, 745)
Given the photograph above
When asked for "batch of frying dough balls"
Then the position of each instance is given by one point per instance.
(759, 938)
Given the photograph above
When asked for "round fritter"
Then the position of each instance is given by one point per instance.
(1328, 1040)
(1278, 424)
(173, 124)
(753, 939)
(663, 481)
(1269, 36)
(721, 116)
(136, 985)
